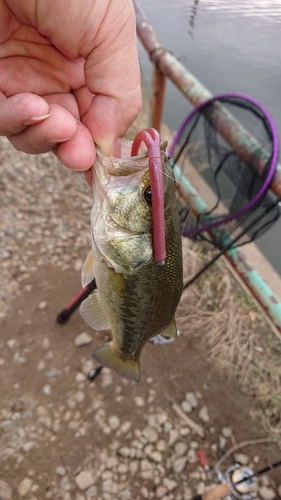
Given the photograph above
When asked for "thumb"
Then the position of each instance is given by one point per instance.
(109, 118)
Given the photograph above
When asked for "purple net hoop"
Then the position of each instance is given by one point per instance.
(229, 124)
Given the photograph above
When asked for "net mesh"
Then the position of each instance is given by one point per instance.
(228, 181)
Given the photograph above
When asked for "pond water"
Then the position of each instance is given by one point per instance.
(230, 47)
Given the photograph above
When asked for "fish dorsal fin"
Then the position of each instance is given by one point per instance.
(93, 313)
(88, 269)
(171, 330)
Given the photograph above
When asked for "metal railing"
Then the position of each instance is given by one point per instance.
(166, 65)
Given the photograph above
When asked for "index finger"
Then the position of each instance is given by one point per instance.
(19, 111)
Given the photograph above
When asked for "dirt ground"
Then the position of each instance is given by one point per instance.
(62, 436)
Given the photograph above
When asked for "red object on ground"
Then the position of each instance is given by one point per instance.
(202, 458)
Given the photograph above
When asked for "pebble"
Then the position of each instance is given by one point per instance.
(91, 492)
(161, 445)
(180, 449)
(45, 343)
(156, 456)
(204, 414)
(139, 401)
(47, 390)
(150, 434)
(122, 468)
(125, 427)
(42, 305)
(226, 432)
(186, 406)
(53, 372)
(107, 380)
(87, 366)
(24, 487)
(80, 377)
(124, 451)
(41, 365)
(160, 491)
(82, 339)
(11, 343)
(134, 467)
(170, 484)
(5, 491)
(179, 464)
(112, 462)
(60, 470)
(29, 445)
(241, 458)
(114, 422)
(191, 399)
(267, 493)
(84, 480)
(173, 436)
(200, 488)
(144, 492)
(79, 396)
(222, 442)
(110, 487)
(184, 431)
(191, 456)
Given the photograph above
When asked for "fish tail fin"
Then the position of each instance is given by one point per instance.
(128, 369)
(171, 330)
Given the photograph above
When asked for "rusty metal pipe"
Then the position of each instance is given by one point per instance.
(158, 86)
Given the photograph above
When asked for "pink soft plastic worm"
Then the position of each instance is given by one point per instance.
(151, 138)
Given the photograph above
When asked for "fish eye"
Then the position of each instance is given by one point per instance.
(148, 195)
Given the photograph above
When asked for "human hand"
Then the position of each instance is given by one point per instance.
(69, 76)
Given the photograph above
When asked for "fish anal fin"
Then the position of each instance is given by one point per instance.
(125, 368)
(93, 313)
(171, 330)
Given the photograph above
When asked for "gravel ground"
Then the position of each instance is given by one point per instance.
(63, 437)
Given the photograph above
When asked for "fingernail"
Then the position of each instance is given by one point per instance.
(36, 119)
(58, 141)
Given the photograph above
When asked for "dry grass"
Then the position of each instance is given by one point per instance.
(234, 332)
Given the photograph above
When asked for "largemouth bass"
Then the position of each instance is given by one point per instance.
(136, 297)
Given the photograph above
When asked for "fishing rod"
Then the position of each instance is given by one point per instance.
(65, 314)
(236, 477)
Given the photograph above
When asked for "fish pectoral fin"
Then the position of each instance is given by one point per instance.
(171, 330)
(88, 269)
(126, 368)
(93, 313)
